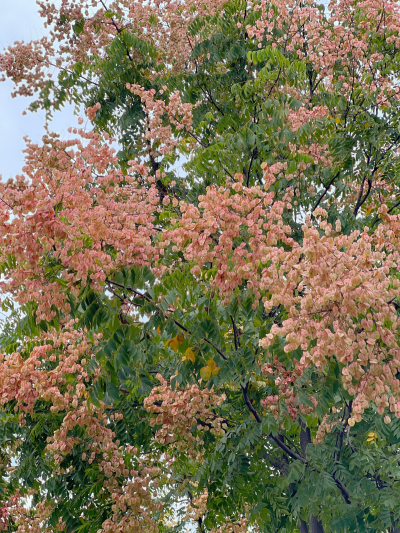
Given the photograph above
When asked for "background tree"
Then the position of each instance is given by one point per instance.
(211, 345)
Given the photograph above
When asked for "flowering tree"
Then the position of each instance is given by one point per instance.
(203, 327)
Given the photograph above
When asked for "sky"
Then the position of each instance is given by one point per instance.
(20, 21)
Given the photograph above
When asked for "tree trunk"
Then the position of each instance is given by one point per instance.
(303, 526)
(315, 525)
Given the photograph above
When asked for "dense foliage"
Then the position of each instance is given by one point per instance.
(203, 328)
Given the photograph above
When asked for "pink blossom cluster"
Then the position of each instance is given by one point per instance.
(22, 517)
(301, 116)
(81, 30)
(25, 377)
(338, 296)
(286, 382)
(177, 113)
(129, 480)
(91, 111)
(235, 228)
(179, 412)
(326, 425)
(20, 59)
(336, 288)
(166, 25)
(333, 43)
(75, 207)
(6, 509)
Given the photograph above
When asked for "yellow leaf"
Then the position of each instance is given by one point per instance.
(158, 330)
(190, 354)
(210, 370)
(214, 368)
(175, 342)
(215, 371)
(205, 373)
(338, 121)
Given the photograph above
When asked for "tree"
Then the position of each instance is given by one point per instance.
(203, 328)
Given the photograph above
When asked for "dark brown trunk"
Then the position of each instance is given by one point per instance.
(315, 525)
(303, 526)
(305, 439)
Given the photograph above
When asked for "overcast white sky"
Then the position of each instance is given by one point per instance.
(19, 21)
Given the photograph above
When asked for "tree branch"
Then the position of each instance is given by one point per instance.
(276, 439)
(176, 322)
(235, 333)
(325, 191)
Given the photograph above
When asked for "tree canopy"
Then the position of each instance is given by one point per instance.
(203, 327)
